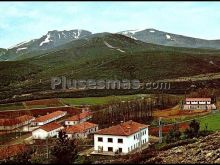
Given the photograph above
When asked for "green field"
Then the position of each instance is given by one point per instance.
(213, 122)
(12, 106)
(100, 100)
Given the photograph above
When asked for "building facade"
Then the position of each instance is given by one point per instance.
(42, 120)
(11, 124)
(47, 131)
(79, 118)
(81, 130)
(198, 104)
(121, 139)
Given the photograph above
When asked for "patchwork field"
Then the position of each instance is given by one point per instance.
(12, 106)
(43, 103)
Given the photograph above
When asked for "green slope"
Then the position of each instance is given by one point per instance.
(93, 58)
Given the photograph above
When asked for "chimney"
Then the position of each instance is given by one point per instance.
(121, 122)
(130, 122)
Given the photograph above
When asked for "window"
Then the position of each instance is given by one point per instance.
(100, 139)
(110, 140)
(131, 147)
(120, 150)
(120, 140)
(134, 137)
(110, 149)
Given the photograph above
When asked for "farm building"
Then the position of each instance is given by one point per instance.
(46, 131)
(79, 118)
(81, 130)
(10, 124)
(198, 104)
(121, 139)
(48, 118)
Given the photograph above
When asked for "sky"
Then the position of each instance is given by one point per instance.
(23, 21)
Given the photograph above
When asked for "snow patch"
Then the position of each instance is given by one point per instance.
(19, 44)
(168, 36)
(19, 49)
(112, 47)
(78, 33)
(46, 40)
(152, 31)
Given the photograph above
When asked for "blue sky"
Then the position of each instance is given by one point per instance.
(23, 21)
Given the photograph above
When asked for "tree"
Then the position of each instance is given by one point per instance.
(65, 150)
(193, 130)
(173, 135)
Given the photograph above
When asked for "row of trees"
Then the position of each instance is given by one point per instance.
(139, 110)
(192, 131)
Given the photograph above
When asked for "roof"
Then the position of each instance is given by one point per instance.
(79, 116)
(8, 122)
(48, 116)
(17, 120)
(79, 128)
(50, 127)
(198, 99)
(124, 129)
(25, 118)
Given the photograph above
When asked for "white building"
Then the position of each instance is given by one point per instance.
(46, 131)
(198, 104)
(11, 124)
(79, 118)
(42, 120)
(81, 130)
(122, 138)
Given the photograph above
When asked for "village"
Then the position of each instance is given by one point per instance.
(38, 126)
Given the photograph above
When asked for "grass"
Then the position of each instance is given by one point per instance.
(12, 106)
(98, 100)
(212, 122)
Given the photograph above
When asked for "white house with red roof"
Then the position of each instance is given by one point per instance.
(42, 120)
(198, 104)
(79, 118)
(46, 131)
(81, 130)
(122, 138)
(11, 124)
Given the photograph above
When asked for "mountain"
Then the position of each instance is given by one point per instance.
(2, 51)
(105, 56)
(169, 39)
(44, 44)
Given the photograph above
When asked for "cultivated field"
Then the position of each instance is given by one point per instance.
(100, 100)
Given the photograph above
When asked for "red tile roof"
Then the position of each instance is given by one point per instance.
(198, 99)
(51, 126)
(80, 128)
(25, 118)
(8, 122)
(17, 120)
(48, 116)
(80, 116)
(123, 129)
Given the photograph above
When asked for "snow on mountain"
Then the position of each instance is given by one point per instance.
(168, 36)
(112, 47)
(19, 49)
(46, 40)
(17, 45)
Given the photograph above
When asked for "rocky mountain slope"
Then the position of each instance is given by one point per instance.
(44, 44)
(169, 39)
(205, 150)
